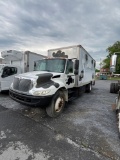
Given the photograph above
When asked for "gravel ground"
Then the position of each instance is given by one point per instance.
(86, 130)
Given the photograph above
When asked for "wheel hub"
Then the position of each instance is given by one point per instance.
(59, 104)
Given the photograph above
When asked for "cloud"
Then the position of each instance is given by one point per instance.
(41, 25)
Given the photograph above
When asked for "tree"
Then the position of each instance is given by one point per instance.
(114, 48)
(106, 62)
(97, 70)
(111, 50)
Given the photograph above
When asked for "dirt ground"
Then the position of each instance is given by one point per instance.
(86, 130)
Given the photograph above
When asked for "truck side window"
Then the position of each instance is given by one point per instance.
(8, 71)
(69, 67)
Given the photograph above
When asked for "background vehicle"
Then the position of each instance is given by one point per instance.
(56, 80)
(19, 62)
(115, 88)
(103, 77)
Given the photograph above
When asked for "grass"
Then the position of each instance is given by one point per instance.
(110, 78)
(114, 78)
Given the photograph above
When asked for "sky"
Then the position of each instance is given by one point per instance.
(39, 25)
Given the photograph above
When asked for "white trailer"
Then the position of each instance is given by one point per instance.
(56, 80)
(19, 62)
(4, 61)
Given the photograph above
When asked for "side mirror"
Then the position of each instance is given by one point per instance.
(76, 67)
(76, 64)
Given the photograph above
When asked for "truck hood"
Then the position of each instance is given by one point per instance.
(36, 74)
(43, 79)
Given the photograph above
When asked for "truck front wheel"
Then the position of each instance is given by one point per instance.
(57, 105)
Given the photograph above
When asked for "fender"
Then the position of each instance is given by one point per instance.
(62, 88)
(46, 83)
(55, 89)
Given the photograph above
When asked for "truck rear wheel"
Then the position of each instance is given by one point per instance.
(57, 105)
(88, 88)
(112, 88)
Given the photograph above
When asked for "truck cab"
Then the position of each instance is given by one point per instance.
(61, 67)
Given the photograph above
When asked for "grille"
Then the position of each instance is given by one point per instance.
(22, 84)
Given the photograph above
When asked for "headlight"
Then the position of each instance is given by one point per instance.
(40, 93)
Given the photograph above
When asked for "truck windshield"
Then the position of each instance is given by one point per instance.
(50, 65)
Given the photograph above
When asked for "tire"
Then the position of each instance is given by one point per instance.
(116, 88)
(57, 105)
(88, 88)
(112, 88)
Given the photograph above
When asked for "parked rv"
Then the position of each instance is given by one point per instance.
(19, 62)
(56, 80)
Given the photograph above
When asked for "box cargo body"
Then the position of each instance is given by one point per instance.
(23, 59)
(86, 62)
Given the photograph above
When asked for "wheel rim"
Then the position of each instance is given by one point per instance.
(59, 104)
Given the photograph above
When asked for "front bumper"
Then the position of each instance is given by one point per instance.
(29, 99)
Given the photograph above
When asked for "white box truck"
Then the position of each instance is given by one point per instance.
(56, 79)
(20, 62)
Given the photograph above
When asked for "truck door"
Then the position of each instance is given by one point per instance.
(8, 76)
(69, 74)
